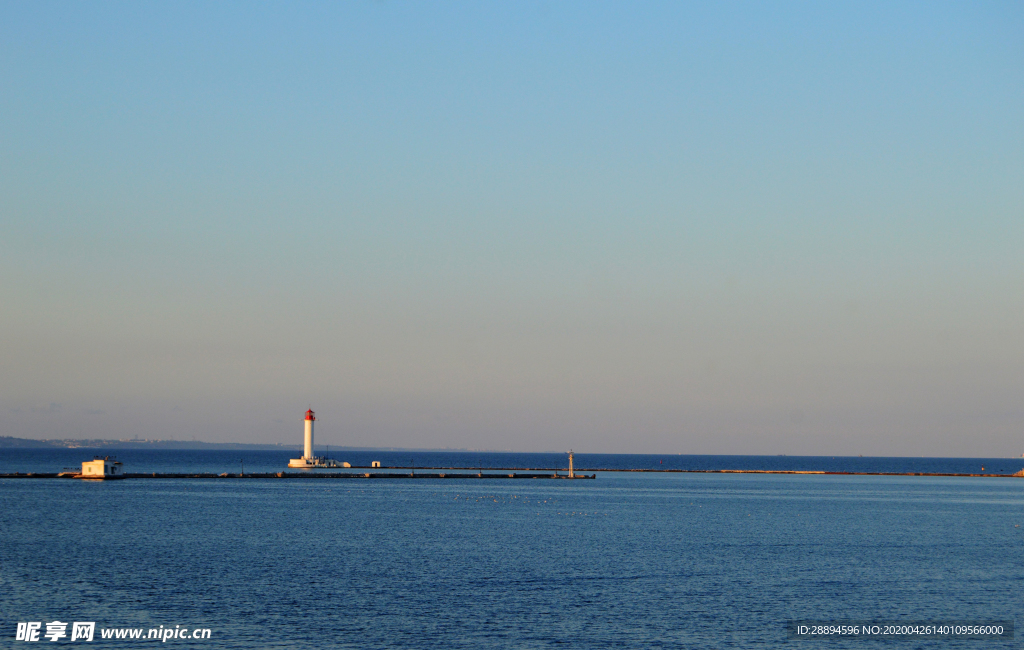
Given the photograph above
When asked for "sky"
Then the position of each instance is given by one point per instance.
(697, 228)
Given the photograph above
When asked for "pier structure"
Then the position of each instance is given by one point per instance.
(320, 475)
(498, 473)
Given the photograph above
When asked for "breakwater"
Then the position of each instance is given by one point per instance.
(492, 473)
(1019, 474)
(307, 475)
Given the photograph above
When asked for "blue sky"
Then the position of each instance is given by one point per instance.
(666, 228)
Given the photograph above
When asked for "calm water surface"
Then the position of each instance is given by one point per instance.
(218, 461)
(626, 561)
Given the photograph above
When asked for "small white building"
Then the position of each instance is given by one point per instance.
(102, 468)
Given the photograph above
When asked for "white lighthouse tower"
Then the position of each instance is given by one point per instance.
(308, 459)
(307, 451)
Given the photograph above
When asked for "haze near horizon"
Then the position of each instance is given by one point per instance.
(741, 228)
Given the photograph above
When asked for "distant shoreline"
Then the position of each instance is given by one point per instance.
(10, 442)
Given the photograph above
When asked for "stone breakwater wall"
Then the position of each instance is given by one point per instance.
(306, 475)
(494, 473)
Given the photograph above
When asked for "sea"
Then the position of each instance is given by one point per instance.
(628, 560)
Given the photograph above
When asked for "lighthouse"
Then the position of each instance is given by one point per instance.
(308, 460)
(307, 451)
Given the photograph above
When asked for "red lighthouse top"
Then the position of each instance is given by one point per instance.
(309, 415)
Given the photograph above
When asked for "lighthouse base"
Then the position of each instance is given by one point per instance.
(316, 462)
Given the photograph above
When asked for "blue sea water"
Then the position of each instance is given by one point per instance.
(624, 561)
(218, 461)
